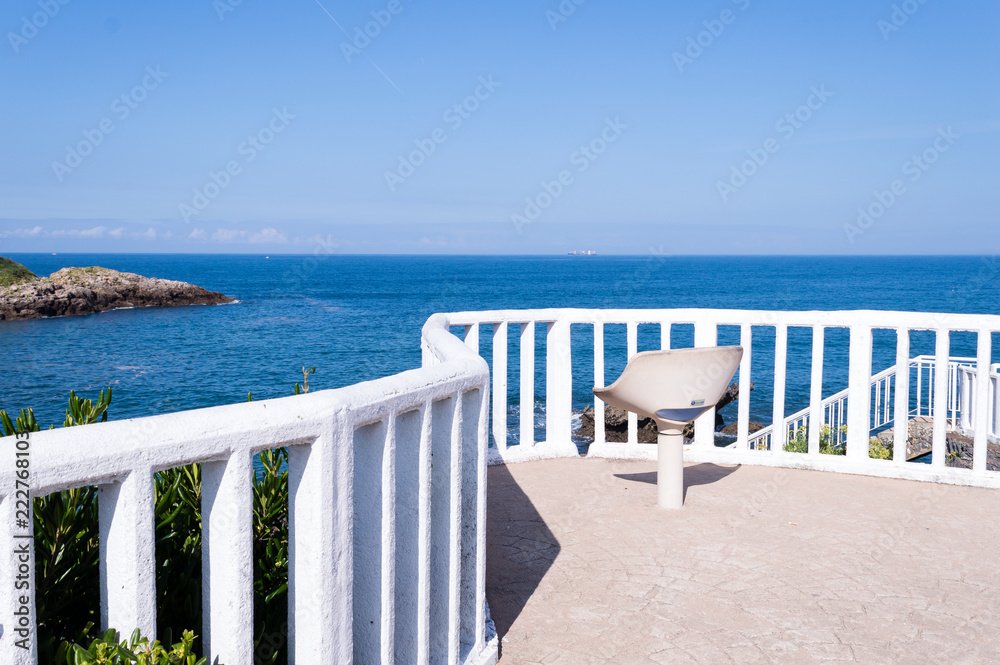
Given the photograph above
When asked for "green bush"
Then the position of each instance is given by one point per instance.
(67, 551)
(799, 443)
(879, 450)
(107, 650)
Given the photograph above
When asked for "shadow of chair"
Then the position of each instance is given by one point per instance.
(697, 474)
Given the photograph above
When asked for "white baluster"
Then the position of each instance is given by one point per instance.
(455, 533)
(940, 409)
(320, 542)
(859, 392)
(17, 568)
(424, 551)
(128, 554)
(901, 415)
(632, 344)
(227, 559)
(706, 333)
(743, 406)
(599, 434)
(500, 385)
(779, 431)
(981, 424)
(388, 546)
(526, 423)
(472, 336)
(816, 410)
(558, 388)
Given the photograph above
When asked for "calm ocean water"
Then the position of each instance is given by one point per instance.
(359, 317)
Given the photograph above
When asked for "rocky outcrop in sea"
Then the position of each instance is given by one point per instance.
(76, 291)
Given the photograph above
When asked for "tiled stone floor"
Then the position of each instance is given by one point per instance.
(761, 566)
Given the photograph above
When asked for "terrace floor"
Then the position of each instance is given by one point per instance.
(761, 566)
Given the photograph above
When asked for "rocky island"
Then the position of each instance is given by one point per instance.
(76, 291)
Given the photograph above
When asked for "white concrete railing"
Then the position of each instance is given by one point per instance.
(386, 550)
(559, 381)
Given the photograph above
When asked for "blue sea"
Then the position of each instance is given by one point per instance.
(356, 318)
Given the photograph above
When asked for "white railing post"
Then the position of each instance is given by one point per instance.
(128, 554)
(982, 393)
(227, 559)
(472, 337)
(995, 392)
(526, 421)
(779, 433)
(901, 412)
(388, 546)
(966, 386)
(19, 642)
(480, 526)
(940, 408)
(706, 333)
(816, 410)
(455, 532)
(424, 546)
(743, 405)
(599, 434)
(859, 392)
(632, 347)
(558, 386)
(665, 336)
(320, 561)
(471, 537)
(500, 385)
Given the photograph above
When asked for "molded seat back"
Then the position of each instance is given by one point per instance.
(673, 387)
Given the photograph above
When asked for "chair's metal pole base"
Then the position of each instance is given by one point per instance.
(670, 470)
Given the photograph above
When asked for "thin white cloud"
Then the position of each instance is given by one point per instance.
(96, 232)
(269, 235)
(228, 235)
(198, 234)
(22, 233)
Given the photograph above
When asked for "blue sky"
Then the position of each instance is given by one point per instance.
(858, 127)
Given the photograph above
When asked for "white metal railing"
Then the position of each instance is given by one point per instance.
(961, 379)
(967, 387)
(386, 549)
(559, 376)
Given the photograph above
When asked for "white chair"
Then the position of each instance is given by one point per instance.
(673, 388)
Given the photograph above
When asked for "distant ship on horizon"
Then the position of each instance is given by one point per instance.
(583, 252)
